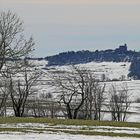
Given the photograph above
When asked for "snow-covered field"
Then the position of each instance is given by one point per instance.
(58, 136)
(111, 70)
(38, 127)
(49, 132)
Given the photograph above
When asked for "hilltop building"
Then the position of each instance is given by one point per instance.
(121, 49)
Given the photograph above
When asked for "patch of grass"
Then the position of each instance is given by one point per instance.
(103, 134)
(95, 133)
(91, 133)
(83, 130)
(13, 130)
(4, 120)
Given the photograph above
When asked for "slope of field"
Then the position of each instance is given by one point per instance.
(114, 73)
(111, 70)
(107, 70)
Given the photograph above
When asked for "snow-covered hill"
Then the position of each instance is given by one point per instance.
(111, 70)
(115, 73)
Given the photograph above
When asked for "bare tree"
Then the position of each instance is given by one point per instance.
(76, 86)
(95, 98)
(119, 103)
(20, 89)
(37, 108)
(13, 47)
(13, 44)
(71, 86)
(51, 105)
(43, 106)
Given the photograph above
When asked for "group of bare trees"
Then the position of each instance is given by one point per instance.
(81, 95)
(119, 103)
(14, 48)
(43, 106)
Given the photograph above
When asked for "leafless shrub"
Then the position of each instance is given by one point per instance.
(119, 102)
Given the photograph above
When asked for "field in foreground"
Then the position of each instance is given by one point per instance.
(56, 129)
(58, 136)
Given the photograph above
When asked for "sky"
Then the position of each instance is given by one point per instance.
(72, 25)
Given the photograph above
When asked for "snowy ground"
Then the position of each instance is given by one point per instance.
(111, 70)
(36, 131)
(36, 127)
(58, 136)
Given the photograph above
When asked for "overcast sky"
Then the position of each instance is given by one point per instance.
(65, 25)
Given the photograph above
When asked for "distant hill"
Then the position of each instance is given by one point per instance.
(120, 54)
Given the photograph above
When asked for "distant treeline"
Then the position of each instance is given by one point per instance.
(120, 54)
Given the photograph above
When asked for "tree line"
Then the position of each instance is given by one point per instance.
(120, 54)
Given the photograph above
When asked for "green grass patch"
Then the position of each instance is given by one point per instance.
(4, 120)
(83, 130)
(95, 133)
(13, 130)
(91, 133)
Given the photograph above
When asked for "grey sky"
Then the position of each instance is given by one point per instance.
(65, 25)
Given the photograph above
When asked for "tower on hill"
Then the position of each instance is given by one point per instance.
(122, 49)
